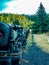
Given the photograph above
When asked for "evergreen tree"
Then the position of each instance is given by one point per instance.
(42, 18)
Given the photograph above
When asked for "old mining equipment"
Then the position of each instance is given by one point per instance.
(10, 44)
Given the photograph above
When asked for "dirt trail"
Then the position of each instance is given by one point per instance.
(38, 52)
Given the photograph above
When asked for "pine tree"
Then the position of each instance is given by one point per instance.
(42, 18)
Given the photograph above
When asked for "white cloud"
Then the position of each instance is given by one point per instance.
(25, 6)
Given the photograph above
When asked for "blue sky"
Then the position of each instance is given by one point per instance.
(3, 4)
(22, 6)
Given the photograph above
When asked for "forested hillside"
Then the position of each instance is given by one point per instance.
(38, 23)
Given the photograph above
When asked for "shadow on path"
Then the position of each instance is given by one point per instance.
(36, 56)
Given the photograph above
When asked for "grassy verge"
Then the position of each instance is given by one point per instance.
(42, 42)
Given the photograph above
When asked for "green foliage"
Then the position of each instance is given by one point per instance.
(42, 19)
(38, 23)
(24, 22)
